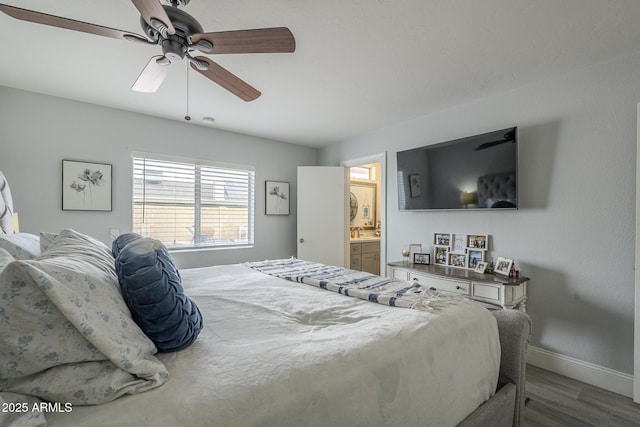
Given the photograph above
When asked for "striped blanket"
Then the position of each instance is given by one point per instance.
(359, 284)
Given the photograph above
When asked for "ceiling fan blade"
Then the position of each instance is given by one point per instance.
(70, 24)
(264, 40)
(227, 80)
(507, 137)
(154, 14)
(486, 145)
(152, 75)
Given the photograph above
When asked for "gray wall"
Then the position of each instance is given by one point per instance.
(38, 131)
(574, 234)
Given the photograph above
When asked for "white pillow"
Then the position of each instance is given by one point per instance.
(46, 239)
(21, 245)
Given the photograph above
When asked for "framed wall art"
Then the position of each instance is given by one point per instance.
(415, 185)
(86, 186)
(276, 198)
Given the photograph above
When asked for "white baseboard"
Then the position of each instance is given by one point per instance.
(608, 379)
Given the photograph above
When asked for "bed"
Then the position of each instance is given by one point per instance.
(284, 343)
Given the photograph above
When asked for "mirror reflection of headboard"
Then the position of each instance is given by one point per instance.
(497, 191)
(6, 207)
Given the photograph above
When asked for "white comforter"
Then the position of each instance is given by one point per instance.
(279, 353)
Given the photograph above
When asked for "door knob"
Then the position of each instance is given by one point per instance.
(301, 240)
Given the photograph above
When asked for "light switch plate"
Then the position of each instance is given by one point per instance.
(114, 233)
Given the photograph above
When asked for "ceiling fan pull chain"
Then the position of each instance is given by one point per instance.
(187, 117)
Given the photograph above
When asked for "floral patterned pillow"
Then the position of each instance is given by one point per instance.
(46, 239)
(21, 245)
(67, 334)
(5, 258)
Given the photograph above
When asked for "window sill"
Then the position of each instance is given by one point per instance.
(208, 248)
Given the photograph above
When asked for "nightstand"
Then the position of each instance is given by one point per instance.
(490, 288)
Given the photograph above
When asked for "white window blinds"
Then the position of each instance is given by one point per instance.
(189, 203)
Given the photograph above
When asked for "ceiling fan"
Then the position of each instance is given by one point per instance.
(178, 33)
(509, 136)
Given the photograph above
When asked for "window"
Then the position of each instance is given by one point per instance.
(192, 203)
(360, 172)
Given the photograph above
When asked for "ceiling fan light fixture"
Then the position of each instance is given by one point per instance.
(173, 49)
(163, 60)
(152, 75)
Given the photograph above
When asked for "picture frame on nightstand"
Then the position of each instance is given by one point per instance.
(423, 259)
(478, 241)
(503, 266)
(459, 243)
(457, 260)
(440, 255)
(475, 257)
(442, 239)
(414, 248)
(481, 267)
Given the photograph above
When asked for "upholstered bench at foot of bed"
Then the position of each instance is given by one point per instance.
(505, 407)
(495, 412)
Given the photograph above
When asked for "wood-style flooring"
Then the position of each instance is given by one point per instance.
(555, 400)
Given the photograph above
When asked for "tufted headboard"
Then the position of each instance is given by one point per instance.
(6, 207)
(497, 191)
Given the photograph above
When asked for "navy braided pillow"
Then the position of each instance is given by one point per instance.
(123, 240)
(152, 289)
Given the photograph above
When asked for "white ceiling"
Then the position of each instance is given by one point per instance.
(358, 65)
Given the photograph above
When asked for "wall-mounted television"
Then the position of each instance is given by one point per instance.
(475, 172)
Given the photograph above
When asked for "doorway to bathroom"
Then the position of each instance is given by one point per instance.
(367, 213)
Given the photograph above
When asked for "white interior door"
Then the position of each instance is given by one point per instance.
(323, 217)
